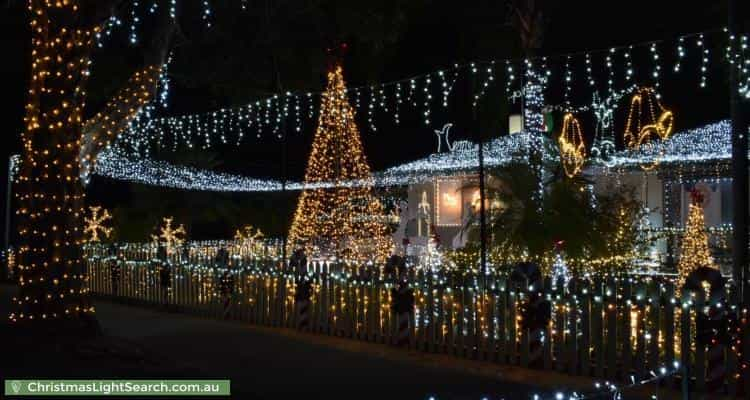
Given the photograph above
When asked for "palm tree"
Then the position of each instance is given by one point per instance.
(526, 226)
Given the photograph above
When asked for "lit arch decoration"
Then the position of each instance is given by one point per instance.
(572, 146)
(648, 123)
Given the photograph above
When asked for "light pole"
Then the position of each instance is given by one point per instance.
(11, 164)
(739, 167)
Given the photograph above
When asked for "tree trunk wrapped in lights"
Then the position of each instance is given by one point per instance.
(50, 196)
(337, 214)
(50, 193)
(695, 252)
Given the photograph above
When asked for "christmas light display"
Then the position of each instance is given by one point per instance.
(339, 221)
(711, 142)
(248, 234)
(572, 146)
(647, 119)
(108, 124)
(249, 240)
(695, 252)
(560, 272)
(115, 165)
(421, 93)
(708, 143)
(97, 224)
(172, 238)
(49, 196)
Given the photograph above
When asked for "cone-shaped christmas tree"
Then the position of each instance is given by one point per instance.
(338, 215)
(695, 252)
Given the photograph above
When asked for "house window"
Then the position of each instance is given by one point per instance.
(449, 202)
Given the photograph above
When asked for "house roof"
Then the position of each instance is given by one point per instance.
(708, 143)
(464, 159)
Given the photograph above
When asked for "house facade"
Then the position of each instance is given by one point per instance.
(444, 197)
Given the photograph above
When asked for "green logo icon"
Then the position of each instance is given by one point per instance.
(16, 386)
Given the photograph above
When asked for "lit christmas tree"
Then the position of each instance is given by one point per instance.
(339, 215)
(695, 252)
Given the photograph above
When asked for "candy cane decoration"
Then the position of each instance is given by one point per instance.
(716, 371)
(403, 306)
(227, 288)
(536, 331)
(536, 312)
(713, 327)
(303, 303)
(403, 329)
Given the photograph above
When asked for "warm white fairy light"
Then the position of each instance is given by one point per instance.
(568, 83)
(169, 236)
(96, 224)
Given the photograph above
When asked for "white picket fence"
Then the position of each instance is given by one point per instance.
(609, 327)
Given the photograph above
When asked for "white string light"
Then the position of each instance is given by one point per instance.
(680, 53)
(704, 52)
(134, 20)
(207, 13)
(657, 66)
(711, 142)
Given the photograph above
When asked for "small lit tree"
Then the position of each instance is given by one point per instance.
(694, 252)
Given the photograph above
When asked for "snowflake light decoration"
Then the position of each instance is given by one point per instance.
(96, 224)
(246, 234)
(170, 236)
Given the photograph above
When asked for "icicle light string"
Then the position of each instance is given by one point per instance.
(704, 144)
(269, 113)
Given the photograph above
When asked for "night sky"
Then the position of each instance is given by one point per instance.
(281, 45)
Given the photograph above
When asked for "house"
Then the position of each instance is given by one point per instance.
(443, 189)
